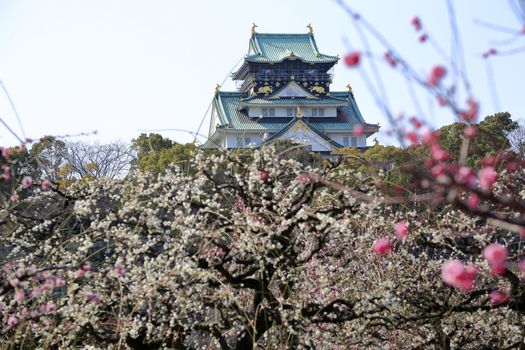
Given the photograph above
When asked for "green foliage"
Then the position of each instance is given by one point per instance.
(151, 143)
(48, 155)
(492, 137)
(395, 163)
(391, 161)
(155, 153)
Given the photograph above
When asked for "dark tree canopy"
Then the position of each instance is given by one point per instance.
(492, 137)
(155, 153)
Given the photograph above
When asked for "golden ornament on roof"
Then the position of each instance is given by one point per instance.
(318, 89)
(299, 114)
(310, 29)
(253, 28)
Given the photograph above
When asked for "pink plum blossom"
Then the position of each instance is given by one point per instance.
(471, 114)
(6, 175)
(416, 122)
(438, 170)
(20, 272)
(59, 282)
(456, 274)
(496, 255)
(20, 296)
(382, 246)
(93, 297)
(412, 137)
(14, 282)
(6, 152)
(12, 321)
(512, 166)
(489, 161)
(486, 177)
(84, 268)
(389, 58)
(358, 130)
(304, 178)
(497, 297)
(442, 101)
(45, 184)
(464, 175)
(470, 132)
(36, 292)
(436, 75)
(48, 308)
(120, 269)
(473, 201)
(438, 154)
(416, 22)
(352, 59)
(489, 52)
(402, 229)
(429, 137)
(27, 182)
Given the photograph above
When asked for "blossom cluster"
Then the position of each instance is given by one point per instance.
(248, 249)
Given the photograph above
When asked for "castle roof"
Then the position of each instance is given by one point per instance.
(273, 48)
(232, 115)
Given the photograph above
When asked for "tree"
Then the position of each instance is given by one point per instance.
(84, 160)
(517, 139)
(491, 138)
(49, 154)
(155, 153)
(151, 143)
(253, 251)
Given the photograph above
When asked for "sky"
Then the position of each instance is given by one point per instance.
(122, 67)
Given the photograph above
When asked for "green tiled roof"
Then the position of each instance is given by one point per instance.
(277, 47)
(353, 110)
(292, 102)
(227, 105)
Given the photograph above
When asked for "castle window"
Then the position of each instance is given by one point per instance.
(247, 140)
(317, 112)
(290, 112)
(268, 112)
(353, 141)
(240, 142)
(346, 141)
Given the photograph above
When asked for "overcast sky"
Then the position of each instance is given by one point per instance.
(121, 66)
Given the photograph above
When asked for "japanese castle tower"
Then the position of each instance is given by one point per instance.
(285, 94)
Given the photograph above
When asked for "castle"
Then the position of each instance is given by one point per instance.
(284, 93)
